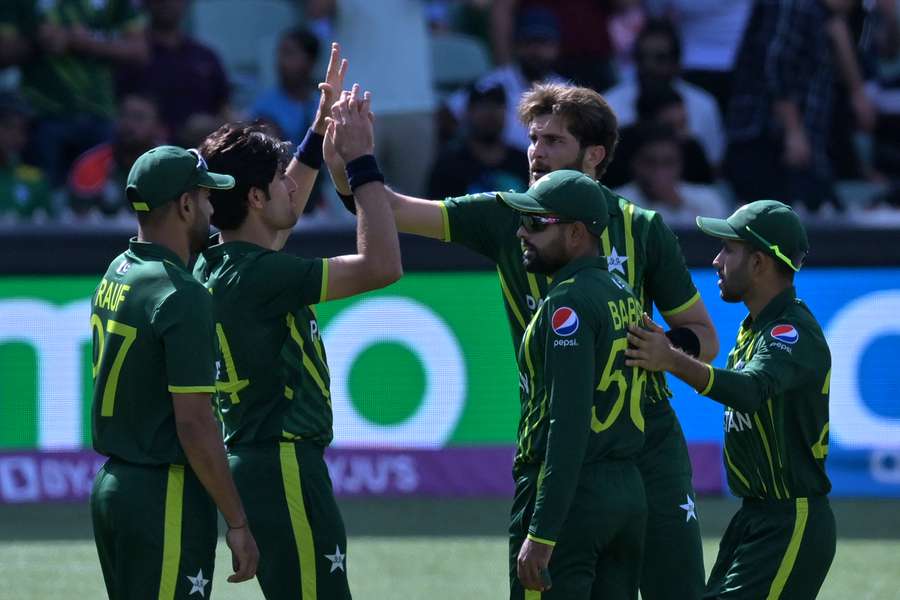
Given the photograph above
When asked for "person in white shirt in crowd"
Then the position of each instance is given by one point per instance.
(711, 31)
(657, 184)
(658, 59)
(536, 52)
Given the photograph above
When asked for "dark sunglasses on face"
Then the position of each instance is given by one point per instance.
(538, 223)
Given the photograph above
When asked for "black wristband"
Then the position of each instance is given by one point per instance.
(309, 152)
(363, 170)
(686, 339)
(349, 202)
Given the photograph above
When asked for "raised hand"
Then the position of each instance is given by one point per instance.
(353, 125)
(330, 88)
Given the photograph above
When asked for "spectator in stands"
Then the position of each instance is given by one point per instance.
(24, 192)
(178, 64)
(291, 106)
(886, 93)
(97, 180)
(779, 118)
(536, 52)
(387, 42)
(586, 54)
(663, 106)
(66, 50)
(711, 31)
(656, 169)
(481, 161)
(658, 58)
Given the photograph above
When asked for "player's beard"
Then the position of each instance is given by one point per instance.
(735, 284)
(547, 261)
(575, 165)
(199, 235)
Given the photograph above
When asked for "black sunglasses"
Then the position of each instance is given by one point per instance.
(538, 223)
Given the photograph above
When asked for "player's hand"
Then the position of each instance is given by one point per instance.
(354, 135)
(244, 554)
(336, 166)
(648, 347)
(797, 151)
(330, 88)
(533, 559)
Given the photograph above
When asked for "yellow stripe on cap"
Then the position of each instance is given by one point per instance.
(171, 558)
(140, 206)
(303, 538)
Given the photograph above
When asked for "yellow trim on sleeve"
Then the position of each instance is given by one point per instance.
(445, 221)
(532, 595)
(192, 389)
(790, 555)
(303, 538)
(171, 558)
(323, 296)
(683, 307)
(826, 387)
(712, 379)
(535, 538)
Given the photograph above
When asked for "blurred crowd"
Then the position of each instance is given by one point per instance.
(720, 102)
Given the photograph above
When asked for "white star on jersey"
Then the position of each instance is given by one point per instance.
(198, 584)
(689, 509)
(614, 262)
(337, 559)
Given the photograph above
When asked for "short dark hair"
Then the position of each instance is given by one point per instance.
(586, 114)
(304, 38)
(663, 27)
(252, 157)
(653, 101)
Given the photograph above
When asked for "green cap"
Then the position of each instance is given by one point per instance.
(769, 225)
(566, 193)
(164, 173)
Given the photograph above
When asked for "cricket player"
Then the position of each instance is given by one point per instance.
(273, 382)
(579, 511)
(154, 500)
(574, 128)
(781, 542)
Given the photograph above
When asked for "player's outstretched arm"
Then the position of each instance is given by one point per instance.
(202, 443)
(301, 169)
(417, 216)
(377, 261)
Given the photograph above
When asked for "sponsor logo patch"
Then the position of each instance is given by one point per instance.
(785, 333)
(564, 321)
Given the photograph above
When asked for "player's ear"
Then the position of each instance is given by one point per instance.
(185, 209)
(256, 197)
(593, 156)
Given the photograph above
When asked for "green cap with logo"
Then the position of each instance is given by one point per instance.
(162, 174)
(566, 193)
(769, 225)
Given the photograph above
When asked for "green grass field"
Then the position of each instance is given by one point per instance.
(406, 550)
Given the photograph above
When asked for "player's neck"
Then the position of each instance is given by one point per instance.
(253, 231)
(760, 295)
(175, 241)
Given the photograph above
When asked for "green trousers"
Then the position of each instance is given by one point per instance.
(598, 553)
(289, 500)
(673, 549)
(775, 549)
(155, 529)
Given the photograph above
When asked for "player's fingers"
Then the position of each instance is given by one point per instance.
(636, 332)
(633, 362)
(354, 97)
(342, 72)
(333, 61)
(366, 102)
(651, 324)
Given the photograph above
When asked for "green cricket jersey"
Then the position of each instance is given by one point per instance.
(580, 403)
(153, 336)
(70, 83)
(775, 388)
(273, 380)
(638, 246)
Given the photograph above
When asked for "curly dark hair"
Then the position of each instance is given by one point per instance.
(252, 156)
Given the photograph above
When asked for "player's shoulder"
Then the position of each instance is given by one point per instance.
(795, 329)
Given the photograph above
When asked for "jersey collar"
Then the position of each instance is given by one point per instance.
(775, 307)
(576, 265)
(151, 251)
